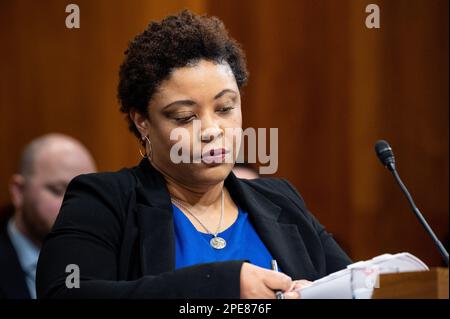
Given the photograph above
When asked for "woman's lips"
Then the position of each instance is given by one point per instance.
(216, 155)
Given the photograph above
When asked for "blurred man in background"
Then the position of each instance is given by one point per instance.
(45, 169)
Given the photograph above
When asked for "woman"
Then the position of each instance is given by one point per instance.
(184, 230)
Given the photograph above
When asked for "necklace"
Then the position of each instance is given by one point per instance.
(216, 242)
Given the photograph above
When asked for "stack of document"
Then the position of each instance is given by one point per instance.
(338, 285)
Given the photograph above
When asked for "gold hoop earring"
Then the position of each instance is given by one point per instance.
(150, 154)
(144, 155)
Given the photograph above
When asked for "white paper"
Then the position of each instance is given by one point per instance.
(338, 286)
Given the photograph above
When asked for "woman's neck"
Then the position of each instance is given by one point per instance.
(200, 196)
(205, 196)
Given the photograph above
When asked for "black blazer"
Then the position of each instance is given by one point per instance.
(118, 228)
(12, 277)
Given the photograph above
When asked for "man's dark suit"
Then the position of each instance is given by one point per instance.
(12, 277)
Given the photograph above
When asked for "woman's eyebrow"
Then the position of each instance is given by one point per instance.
(179, 102)
(190, 102)
(221, 93)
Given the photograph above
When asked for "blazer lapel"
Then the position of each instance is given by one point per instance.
(157, 234)
(155, 221)
(284, 241)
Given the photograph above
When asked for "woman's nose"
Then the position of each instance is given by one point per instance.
(210, 129)
(209, 134)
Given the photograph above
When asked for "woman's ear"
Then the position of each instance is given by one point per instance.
(140, 121)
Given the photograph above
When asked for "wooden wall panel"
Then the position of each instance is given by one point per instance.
(65, 80)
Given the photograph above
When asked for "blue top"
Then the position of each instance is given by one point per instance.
(243, 243)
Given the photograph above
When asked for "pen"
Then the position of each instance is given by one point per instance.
(279, 294)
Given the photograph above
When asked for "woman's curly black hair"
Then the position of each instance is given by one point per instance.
(176, 41)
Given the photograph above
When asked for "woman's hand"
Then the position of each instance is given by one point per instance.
(294, 291)
(260, 283)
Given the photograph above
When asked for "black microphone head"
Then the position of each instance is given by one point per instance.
(385, 154)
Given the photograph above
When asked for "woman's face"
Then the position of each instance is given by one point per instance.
(204, 94)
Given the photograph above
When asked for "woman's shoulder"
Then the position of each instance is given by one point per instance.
(272, 184)
(282, 193)
(97, 197)
(120, 178)
(276, 187)
(106, 184)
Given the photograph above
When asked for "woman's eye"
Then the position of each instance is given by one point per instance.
(225, 109)
(184, 119)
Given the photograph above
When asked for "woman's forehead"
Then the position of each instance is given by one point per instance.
(203, 80)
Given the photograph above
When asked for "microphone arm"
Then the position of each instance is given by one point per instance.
(419, 215)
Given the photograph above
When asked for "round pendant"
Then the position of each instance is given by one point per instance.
(218, 243)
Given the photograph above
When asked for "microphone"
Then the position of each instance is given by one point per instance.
(386, 157)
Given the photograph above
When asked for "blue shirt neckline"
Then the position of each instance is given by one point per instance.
(193, 246)
(220, 234)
